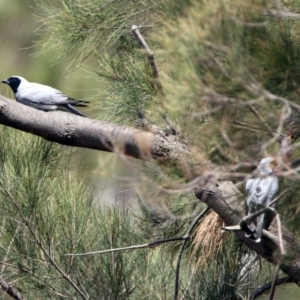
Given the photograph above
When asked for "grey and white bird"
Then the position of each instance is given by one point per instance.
(261, 188)
(43, 97)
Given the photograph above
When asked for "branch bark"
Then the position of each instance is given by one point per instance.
(71, 130)
(10, 290)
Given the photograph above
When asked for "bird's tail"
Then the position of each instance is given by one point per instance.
(72, 110)
(251, 228)
(79, 103)
(259, 228)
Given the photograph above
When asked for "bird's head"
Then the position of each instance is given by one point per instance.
(14, 82)
(266, 165)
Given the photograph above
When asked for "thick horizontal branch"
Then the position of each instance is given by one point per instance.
(71, 130)
(268, 285)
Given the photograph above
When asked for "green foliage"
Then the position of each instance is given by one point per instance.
(100, 32)
(218, 60)
(88, 27)
(130, 76)
(216, 57)
(46, 212)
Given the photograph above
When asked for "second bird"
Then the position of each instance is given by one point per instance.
(262, 189)
(43, 97)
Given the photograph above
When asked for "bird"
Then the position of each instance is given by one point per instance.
(43, 97)
(262, 188)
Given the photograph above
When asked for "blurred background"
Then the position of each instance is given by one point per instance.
(19, 57)
(18, 34)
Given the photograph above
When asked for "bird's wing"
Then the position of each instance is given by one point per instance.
(273, 187)
(249, 184)
(252, 187)
(258, 192)
(41, 94)
(266, 190)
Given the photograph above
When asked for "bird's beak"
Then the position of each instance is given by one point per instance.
(4, 81)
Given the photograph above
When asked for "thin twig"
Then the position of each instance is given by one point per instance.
(256, 214)
(280, 13)
(247, 126)
(275, 277)
(261, 119)
(281, 246)
(268, 285)
(133, 247)
(151, 57)
(282, 252)
(8, 248)
(249, 24)
(10, 290)
(186, 237)
(153, 244)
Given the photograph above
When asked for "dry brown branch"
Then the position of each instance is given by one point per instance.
(4, 285)
(208, 237)
(151, 57)
(282, 252)
(146, 124)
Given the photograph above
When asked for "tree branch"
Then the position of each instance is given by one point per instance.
(186, 237)
(71, 130)
(268, 285)
(10, 290)
(133, 247)
(151, 57)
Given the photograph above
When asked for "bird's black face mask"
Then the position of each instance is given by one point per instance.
(13, 82)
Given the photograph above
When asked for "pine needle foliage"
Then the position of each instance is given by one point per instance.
(46, 212)
(88, 27)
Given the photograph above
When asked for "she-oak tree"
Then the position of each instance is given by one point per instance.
(227, 76)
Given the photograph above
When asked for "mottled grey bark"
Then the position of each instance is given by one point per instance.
(71, 130)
